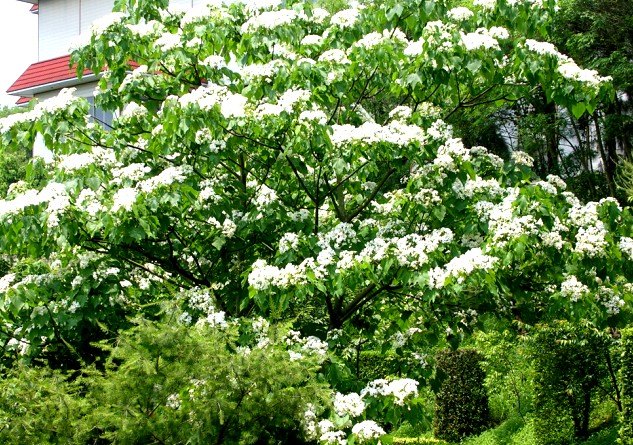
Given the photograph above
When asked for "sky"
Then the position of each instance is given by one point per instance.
(18, 44)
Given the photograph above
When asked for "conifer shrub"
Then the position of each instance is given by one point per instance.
(461, 404)
(626, 378)
(168, 383)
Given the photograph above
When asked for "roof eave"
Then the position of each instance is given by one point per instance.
(58, 85)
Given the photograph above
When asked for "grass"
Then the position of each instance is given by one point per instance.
(515, 431)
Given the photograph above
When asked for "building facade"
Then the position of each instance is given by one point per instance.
(60, 23)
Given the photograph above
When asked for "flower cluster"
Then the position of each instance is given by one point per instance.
(351, 404)
(400, 389)
(573, 289)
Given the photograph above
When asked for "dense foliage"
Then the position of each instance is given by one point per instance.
(570, 363)
(280, 166)
(461, 404)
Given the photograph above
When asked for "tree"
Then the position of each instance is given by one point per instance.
(600, 36)
(12, 162)
(255, 167)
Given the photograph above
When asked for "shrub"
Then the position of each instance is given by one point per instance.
(461, 405)
(569, 365)
(167, 384)
(374, 365)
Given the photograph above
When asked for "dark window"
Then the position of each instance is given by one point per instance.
(99, 116)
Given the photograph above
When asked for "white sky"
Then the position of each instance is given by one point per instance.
(18, 44)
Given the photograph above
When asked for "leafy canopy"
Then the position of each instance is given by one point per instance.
(292, 163)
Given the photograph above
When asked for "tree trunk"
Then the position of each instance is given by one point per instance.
(605, 160)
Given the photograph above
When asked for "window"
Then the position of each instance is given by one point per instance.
(99, 116)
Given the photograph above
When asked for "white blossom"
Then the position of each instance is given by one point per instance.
(459, 14)
(485, 4)
(345, 18)
(350, 404)
(590, 240)
(289, 241)
(269, 20)
(367, 430)
(573, 289)
(124, 199)
(6, 282)
(480, 39)
(522, 158)
(626, 246)
(312, 39)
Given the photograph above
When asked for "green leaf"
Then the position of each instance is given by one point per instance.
(578, 109)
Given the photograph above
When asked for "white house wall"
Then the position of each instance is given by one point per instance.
(91, 10)
(59, 24)
(61, 21)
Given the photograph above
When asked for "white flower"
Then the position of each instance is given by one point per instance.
(100, 25)
(168, 41)
(573, 289)
(6, 282)
(626, 246)
(335, 56)
(173, 401)
(269, 20)
(522, 158)
(400, 389)
(485, 4)
(460, 14)
(557, 182)
(370, 40)
(315, 116)
(401, 113)
(265, 196)
(544, 48)
(349, 404)
(289, 241)
(333, 438)
(571, 71)
(124, 199)
(590, 241)
(215, 62)
(480, 39)
(367, 430)
(499, 32)
(312, 39)
(345, 18)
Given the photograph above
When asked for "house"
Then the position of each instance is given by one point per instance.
(60, 22)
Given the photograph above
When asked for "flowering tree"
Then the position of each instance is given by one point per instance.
(296, 164)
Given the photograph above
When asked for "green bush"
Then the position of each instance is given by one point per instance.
(569, 362)
(626, 377)
(374, 365)
(166, 383)
(461, 404)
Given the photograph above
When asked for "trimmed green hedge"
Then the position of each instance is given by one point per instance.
(374, 365)
(419, 441)
(461, 405)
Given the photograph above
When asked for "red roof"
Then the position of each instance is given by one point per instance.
(24, 100)
(45, 72)
(35, 8)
